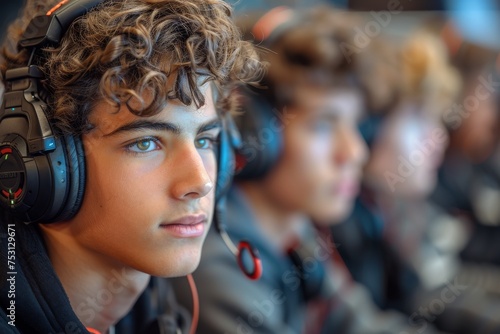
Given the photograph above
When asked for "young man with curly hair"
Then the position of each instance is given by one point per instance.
(136, 84)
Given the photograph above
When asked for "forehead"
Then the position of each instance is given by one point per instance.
(341, 101)
(107, 118)
(407, 124)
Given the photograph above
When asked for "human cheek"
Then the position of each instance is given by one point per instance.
(313, 168)
(129, 188)
(320, 155)
(210, 164)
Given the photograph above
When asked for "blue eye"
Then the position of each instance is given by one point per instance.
(204, 143)
(321, 126)
(143, 145)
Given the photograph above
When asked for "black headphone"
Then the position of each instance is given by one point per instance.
(42, 173)
(260, 128)
(260, 124)
(246, 255)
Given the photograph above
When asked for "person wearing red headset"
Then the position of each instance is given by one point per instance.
(114, 149)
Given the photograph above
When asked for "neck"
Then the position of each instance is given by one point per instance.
(391, 206)
(278, 224)
(460, 145)
(101, 291)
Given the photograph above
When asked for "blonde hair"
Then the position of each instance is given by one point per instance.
(427, 74)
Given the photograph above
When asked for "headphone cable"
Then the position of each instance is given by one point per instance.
(196, 304)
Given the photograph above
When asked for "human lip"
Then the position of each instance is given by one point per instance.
(347, 188)
(190, 226)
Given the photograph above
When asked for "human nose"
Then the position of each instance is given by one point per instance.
(191, 179)
(350, 148)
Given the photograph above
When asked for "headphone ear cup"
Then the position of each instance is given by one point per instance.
(261, 135)
(225, 164)
(75, 157)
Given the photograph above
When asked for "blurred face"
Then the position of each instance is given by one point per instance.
(149, 194)
(407, 153)
(479, 131)
(319, 171)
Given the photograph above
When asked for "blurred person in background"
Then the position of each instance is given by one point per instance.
(403, 248)
(302, 158)
(469, 179)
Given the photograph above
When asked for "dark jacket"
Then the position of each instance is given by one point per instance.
(41, 305)
(471, 191)
(412, 264)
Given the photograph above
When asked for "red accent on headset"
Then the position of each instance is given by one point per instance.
(6, 150)
(6, 194)
(18, 193)
(56, 7)
(263, 28)
(257, 264)
(241, 162)
(452, 38)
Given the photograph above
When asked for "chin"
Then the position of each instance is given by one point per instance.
(421, 188)
(177, 263)
(175, 269)
(187, 261)
(335, 215)
(186, 269)
(189, 266)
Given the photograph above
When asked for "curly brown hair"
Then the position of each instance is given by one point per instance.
(123, 49)
(309, 48)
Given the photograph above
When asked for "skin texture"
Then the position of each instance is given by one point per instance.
(413, 136)
(133, 185)
(319, 171)
(477, 131)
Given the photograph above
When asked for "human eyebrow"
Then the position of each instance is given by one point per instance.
(141, 124)
(210, 125)
(329, 115)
